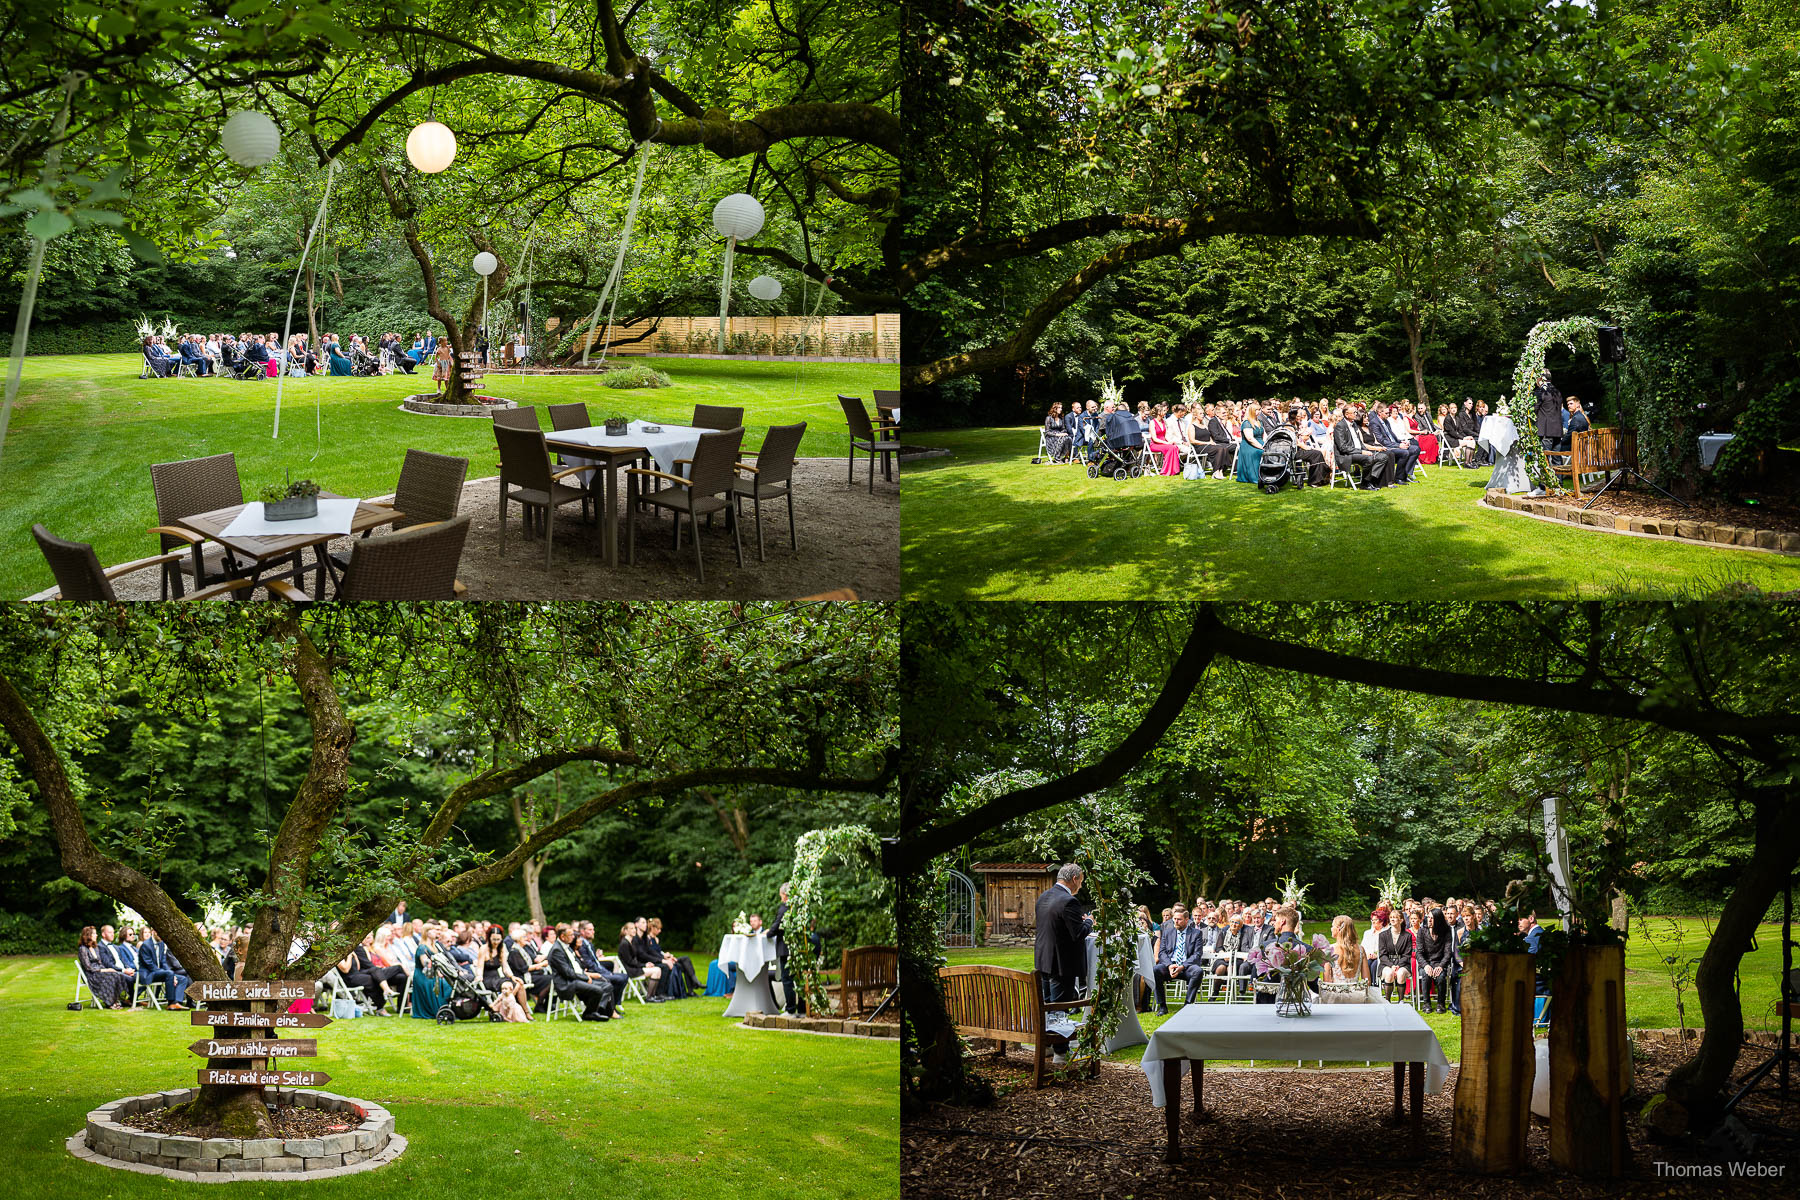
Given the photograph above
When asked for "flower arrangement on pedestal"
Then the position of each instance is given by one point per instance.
(741, 923)
(1294, 965)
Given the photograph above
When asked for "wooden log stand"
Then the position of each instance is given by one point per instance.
(1590, 1063)
(1493, 1087)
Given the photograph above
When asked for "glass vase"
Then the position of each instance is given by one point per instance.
(1295, 999)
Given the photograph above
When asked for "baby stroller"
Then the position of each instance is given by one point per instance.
(465, 998)
(1279, 462)
(1115, 457)
(363, 362)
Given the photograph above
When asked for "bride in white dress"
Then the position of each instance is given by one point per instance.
(1345, 979)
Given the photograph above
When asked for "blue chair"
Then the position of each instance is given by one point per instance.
(718, 979)
(1540, 1013)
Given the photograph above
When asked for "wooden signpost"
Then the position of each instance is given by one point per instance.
(243, 1062)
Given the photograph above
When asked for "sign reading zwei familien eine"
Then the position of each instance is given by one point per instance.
(256, 1048)
(253, 989)
(263, 1078)
(217, 1019)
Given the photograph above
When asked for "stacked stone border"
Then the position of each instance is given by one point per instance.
(372, 1143)
(837, 1025)
(427, 405)
(1739, 537)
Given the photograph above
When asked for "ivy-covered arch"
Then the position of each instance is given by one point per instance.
(806, 894)
(1576, 333)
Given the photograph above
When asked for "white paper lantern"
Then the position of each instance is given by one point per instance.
(486, 264)
(765, 287)
(739, 215)
(250, 138)
(431, 147)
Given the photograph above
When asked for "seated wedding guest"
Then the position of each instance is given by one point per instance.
(511, 998)
(1371, 941)
(1251, 438)
(1346, 962)
(1396, 957)
(1083, 426)
(1235, 940)
(105, 981)
(1318, 471)
(1056, 435)
(119, 959)
(1574, 421)
(1436, 950)
(598, 1000)
(161, 966)
(1424, 430)
(631, 958)
(1380, 431)
(360, 970)
(1179, 959)
(154, 362)
(1220, 449)
(235, 956)
(1318, 426)
(1349, 448)
(192, 354)
(681, 967)
(589, 958)
(529, 961)
(1161, 441)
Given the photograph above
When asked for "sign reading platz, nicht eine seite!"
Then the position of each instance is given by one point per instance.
(256, 1049)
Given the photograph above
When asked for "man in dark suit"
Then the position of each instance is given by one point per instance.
(1221, 452)
(597, 998)
(589, 960)
(1060, 955)
(1549, 411)
(160, 966)
(1406, 454)
(1179, 954)
(790, 991)
(193, 355)
(1574, 421)
(1350, 448)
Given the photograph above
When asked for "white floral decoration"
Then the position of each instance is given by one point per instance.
(805, 895)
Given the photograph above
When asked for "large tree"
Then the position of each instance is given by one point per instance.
(659, 699)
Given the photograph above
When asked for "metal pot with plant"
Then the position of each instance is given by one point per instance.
(294, 501)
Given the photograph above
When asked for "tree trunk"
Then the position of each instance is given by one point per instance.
(455, 389)
(1410, 319)
(1698, 1085)
(530, 870)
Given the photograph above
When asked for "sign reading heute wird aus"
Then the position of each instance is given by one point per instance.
(214, 1075)
(253, 989)
(215, 1018)
(256, 1048)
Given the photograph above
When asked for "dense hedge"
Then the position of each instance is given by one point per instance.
(24, 934)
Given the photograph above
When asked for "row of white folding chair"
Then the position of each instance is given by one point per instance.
(156, 993)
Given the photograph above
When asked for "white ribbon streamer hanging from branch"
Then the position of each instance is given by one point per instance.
(611, 287)
(287, 328)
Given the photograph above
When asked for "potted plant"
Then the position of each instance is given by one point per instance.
(617, 426)
(1492, 1110)
(291, 502)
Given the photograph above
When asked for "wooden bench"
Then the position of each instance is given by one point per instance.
(1003, 1005)
(1595, 451)
(867, 969)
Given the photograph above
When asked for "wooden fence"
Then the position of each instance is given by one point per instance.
(876, 335)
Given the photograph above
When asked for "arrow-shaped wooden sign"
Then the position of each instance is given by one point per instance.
(257, 1048)
(252, 989)
(250, 1020)
(262, 1078)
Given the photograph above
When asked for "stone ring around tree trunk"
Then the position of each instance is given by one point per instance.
(370, 1144)
(432, 404)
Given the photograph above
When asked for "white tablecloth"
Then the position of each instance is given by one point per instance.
(1710, 445)
(1345, 1032)
(1500, 438)
(753, 953)
(675, 441)
(334, 517)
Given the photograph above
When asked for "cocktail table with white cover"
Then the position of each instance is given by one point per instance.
(1129, 1032)
(752, 957)
(669, 443)
(1368, 1032)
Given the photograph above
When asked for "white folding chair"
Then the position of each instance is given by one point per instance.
(634, 987)
(1353, 477)
(81, 983)
(561, 1006)
(339, 989)
(154, 992)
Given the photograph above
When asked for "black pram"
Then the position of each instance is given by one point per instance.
(1120, 453)
(1279, 462)
(466, 999)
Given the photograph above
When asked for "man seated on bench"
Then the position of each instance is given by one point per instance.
(1178, 957)
(1574, 421)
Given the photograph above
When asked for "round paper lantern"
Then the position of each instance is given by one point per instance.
(486, 264)
(739, 215)
(250, 138)
(431, 146)
(765, 287)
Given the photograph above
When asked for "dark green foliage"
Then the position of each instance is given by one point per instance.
(21, 933)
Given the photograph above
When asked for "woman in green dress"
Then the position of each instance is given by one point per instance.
(1251, 436)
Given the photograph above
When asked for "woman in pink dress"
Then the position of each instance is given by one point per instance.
(1418, 421)
(1163, 442)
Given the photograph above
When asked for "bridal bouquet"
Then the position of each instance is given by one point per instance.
(1294, 966)
(741, 924)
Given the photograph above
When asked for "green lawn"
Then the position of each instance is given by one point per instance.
(1649, 998)
(85, 430)
(675, 1102)
(985, 523)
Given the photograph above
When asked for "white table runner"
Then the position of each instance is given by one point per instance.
(334, 516)
(1344, 1032)
(675, 441)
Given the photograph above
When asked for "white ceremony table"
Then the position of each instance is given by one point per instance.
(1500, 438)
(1371, 1032)
(1129, 1032)
(1711, 444)
(752, 959)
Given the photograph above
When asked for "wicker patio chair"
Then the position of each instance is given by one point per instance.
(523, 417)
(525, 476)
(79, 575)
(707, 489)
(885, 403)
(864, 437)
(717, 416)
(195, 485)
(771, 478)
(569, 416)
(430, 490)
(418, 563)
